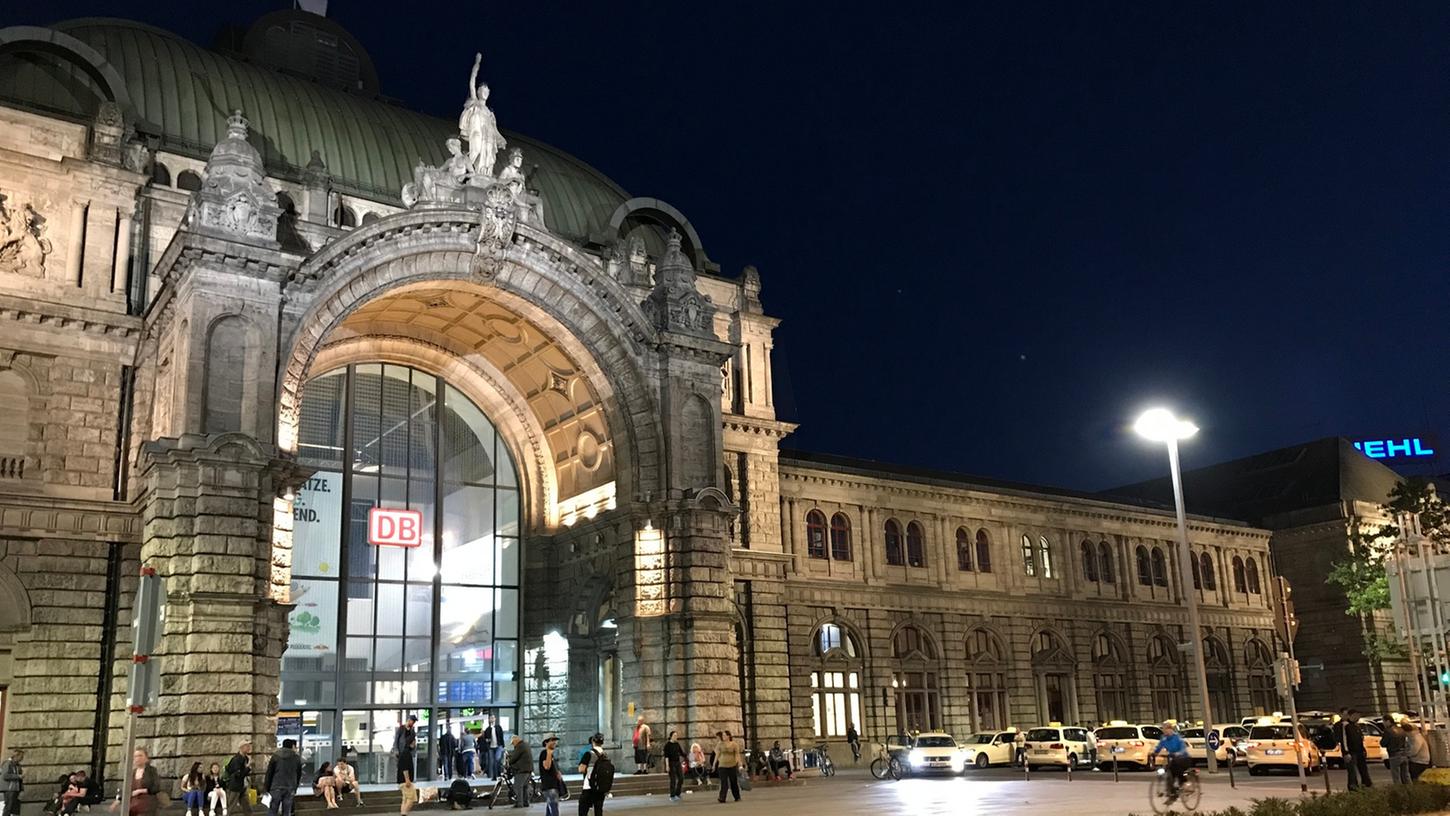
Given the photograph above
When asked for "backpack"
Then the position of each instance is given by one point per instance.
(603, 777)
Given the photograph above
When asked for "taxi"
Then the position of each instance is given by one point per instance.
(1129, 744)
(1322, 732)
(990, 748)
(1056, 744)
(1231, 739)
(1272, 745)
(935, 751)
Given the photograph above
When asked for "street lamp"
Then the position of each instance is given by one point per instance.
(1160, 425)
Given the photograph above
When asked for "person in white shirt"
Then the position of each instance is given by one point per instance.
(588, 796)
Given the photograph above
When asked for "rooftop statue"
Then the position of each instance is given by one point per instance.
(478, 126)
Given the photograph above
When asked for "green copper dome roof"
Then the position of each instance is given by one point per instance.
(369, 145)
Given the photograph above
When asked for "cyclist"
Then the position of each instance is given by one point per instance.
(1179, 761)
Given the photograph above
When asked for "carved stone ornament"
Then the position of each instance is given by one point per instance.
(108, 131)
(498, 218)
(675, 304)
(235, 199)
(23, 245)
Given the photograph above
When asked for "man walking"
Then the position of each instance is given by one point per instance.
(641, 746)
(549, 775)
(236, 779)
(521, 764)
(598, 774)
(727, 760)
(12, 775)
(492, 747)
(447, 752)
(1397, 752)
(405, 748)
(284, 774)
(1356, 762)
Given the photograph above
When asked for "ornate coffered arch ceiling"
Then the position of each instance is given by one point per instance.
(565, 404)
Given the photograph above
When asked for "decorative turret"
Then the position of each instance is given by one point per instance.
(235, 200)
(675, 304)
(750, 290)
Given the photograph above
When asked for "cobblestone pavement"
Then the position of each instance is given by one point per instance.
(977, 792)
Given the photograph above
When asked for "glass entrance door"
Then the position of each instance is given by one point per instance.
(1054, 697)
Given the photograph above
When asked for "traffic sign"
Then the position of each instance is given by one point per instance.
(1213, 741)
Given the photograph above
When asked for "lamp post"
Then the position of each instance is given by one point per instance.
(1160, 425)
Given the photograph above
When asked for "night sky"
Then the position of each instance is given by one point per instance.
(995, 232)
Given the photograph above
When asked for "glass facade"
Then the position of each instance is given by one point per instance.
(381, 632)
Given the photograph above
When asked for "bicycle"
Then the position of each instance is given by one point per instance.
(885, 764)
(1189, 792)
(823, 760)
(504, 787)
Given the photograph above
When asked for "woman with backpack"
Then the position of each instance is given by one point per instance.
(598, 773)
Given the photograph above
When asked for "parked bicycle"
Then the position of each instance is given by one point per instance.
(886, 764)
(503, 790)
(823, 759)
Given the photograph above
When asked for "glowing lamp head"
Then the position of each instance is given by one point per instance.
(1160, 425)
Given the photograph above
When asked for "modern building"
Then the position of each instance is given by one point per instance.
(417, 426)
(1316, 498)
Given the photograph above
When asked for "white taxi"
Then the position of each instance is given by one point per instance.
(991, 748)
(1128, 744)
(1057, 744)
(1273, 745)
(1230, 739)
(935, 751)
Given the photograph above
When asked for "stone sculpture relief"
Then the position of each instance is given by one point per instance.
(675, 304)
(477, 125)
(23, 245)
(235, 198)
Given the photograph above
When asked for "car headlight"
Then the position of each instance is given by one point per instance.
(916, 757)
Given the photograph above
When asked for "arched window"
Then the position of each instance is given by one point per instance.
(964, 550)
(1205, 561)
(344, 216)
(986, 681)
(1110, 677)
(160, 175)
(1160, 567)
(370, 218)
(894, 554)
(1263, 697)
(1193, 568)
(836, 684)
(188, 180)
(816, 534)
(1145, 568)
(1089, 561)
(1218, 672)
(15, 431)
(1044, 553)
(1164, 678)
(911, 643)
(840, 537)
(915, 545)
(1251, 573)
(918, 695)
(1238, 570)
(984, 552)
(1053, 669)
(1105, 561)
(1029, 561)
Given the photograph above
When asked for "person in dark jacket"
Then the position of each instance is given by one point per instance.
(236, 779)
(675, 764)
(551, 777)
(12, 777)
(284, 774)
(520, 762)
(1397, 752)
(145, 783)
(1356, 762)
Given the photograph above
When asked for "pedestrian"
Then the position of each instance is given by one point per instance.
(1356, 762)
(405, 748)
(1397, 758)
(598, 773)
(236, 779)
(467, 753)
(641, 746)
(675, 764)
(193, 790)
(698, 768)
(447, 752)
(493, 747)
(145, 784)
(520, 763)
(325, 783)
(550, 778)
(12, 775)
(1092, 746)
(284, 774)
(346, 777)
(1020, 754)
(853, 739)
(727, 761)
(1418, 750)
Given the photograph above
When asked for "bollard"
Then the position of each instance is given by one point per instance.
(1324, 769)
(1069, 768)
(1230, 763)
(1115, 767)
(1026, 768)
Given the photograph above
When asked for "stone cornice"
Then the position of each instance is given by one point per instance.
(773, 428)
(60, 316)
(46, 517)
(1096, 510)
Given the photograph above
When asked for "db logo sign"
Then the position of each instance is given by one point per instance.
(395, 528)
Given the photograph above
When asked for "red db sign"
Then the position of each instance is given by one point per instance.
(395, 528)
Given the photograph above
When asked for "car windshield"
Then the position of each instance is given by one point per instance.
(1117, 733)
(935, 742)
(980, 739)
(1193, 733)
(1042, 734)
(1370, 729)
(1271, 732)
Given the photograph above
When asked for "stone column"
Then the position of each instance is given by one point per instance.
(208, 523)
(74, 247)
(121, 262)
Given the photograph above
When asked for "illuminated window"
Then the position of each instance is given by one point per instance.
(1029, 562)
(816, 534)
(835, 702)
(1044, 551)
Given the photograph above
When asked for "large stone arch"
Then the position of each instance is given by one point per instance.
(549, 282)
